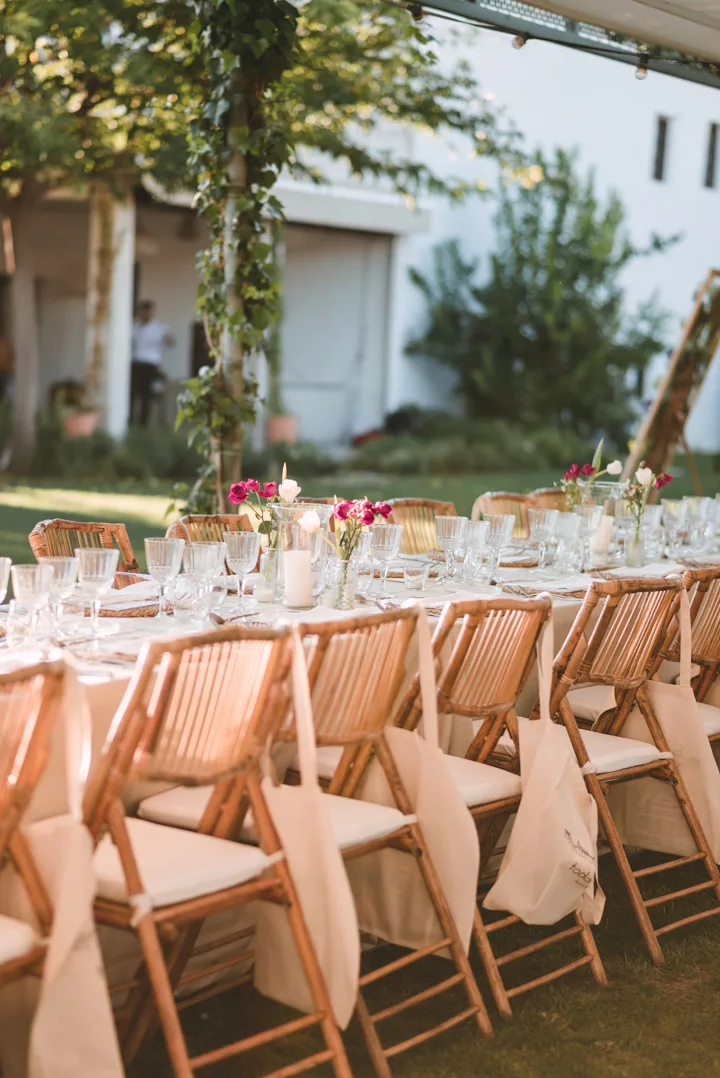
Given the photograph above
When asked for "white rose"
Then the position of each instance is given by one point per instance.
(614, 468)
(289, 490)
(644, 476)
(310, 522)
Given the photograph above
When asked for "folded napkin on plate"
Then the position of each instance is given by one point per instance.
(144, 591)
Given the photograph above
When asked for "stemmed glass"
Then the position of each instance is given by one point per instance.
(590, 517)
(499, 534)
(698, 518)
(543, 530)
(674, 517)
(242, 552)
(164, 558)
(568, 553)
(31, 587)
(652, 522)
(65, 572)
(5, 564)
(203, 561)
(96, 574)
(385, 546)
(450, 537)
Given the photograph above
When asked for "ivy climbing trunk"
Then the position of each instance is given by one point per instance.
(25, 336)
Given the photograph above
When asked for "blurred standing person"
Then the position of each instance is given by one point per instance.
(149, 337)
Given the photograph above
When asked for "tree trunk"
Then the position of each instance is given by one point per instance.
(24, 315)
(100, 267)
(231, 351)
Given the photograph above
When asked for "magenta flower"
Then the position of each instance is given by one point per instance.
(662, 480)
(587, 469)
(269, 490)
(341, 510)
(367, 517)
(573, 472)
(253, 486)
(238, 493)
(383, 510)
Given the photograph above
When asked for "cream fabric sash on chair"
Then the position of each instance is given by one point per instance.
(646, 812)
(318, 871)
(550, 866)
(73, 1031)
(392, 900)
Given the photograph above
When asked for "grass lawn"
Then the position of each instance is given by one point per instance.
(647, 1023)
(24, 504)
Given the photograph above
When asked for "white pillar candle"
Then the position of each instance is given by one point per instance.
(602, 537)
(297, 582)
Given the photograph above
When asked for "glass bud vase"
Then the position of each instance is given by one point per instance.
(340, 584)
(635, 551)
(267, 577)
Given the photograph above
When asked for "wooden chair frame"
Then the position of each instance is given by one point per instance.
(487, 669)
(503, 501)
(622, 649)
(356, 668)
(547, 498)
(417, 515)
(34, 692)
(60, 538)
(208, 528)
(188, 704)
(703, 588)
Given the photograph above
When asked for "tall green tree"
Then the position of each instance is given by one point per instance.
(547, 338)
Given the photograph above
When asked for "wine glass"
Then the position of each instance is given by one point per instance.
(590, 517)
(652, 521)
(499, 534)
(5, 564)
(203, 561)
(242, 551)
(191, 601)
(674, 517)
(385, 544)
(31, 587)
(568, 553)
(698, 517)
(450, 537)
(475, 539)
(164, 558)
(543, 529)
(64, 579)
(96, 575)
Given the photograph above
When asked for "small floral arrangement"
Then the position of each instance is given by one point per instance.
(260, 498)
(576, 473)
(350, 519)
(637, 491)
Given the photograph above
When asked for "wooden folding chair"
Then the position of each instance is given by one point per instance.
(60, 539)
(501, 501)
(197, 528)
(356, 668)
(547, 498)
(417, 515)
(28, 706)
(487, 668)
(199, 712)
(621, 649)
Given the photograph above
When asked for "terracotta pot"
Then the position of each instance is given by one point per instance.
(281, 428)
(80, 424)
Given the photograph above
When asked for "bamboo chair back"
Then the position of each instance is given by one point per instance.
(214, 702)
(197, 528)
(703, 587)
(547, 498)
(501, 501)
(623, 645)
(60, 539)
(417, 516)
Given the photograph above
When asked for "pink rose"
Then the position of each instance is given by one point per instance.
(573, 472)
(662, 480)
(253, 486)
(270, 490)
(587, 469)
(367, 517)
(341, 510)
(383, 510)
(237, 493)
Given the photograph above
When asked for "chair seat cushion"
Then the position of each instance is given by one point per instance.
(710, 718)
(176, 865)
(16, 939)
(328, 757)
(352, 821)
(590, 701)
(606, 751)
(480, 784)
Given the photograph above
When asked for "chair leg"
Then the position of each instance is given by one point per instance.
(591, 948)
(163, 993)
(372, 1041)
(492, 971)
(611, 834)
